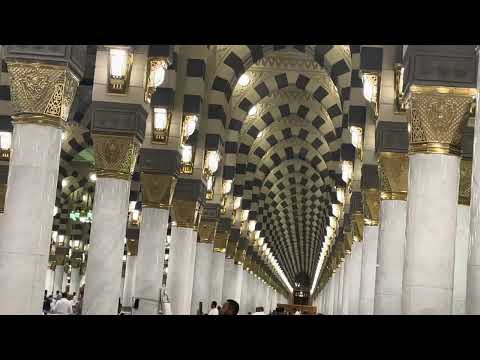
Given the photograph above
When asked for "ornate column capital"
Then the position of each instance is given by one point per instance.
(132, 247)
(61, 254)
(370, 195)
(43, 81)
(464, 188)
(208, 224)
(157, 190)
(188, 202)
(437, 116)
(393, 175)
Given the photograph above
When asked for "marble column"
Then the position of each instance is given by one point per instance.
(338, 299)
(333, 290)
(58, 278)
(355, 277)
(369, 268)
(150, 258)
(38, 122)
(218, 262)
(229, 285)
(130, 274)
(65, 279)
(49, 280)
(347, 269)
(433, 179)
(201, 283)
(74, 280)
(462, 239)
(110, 211)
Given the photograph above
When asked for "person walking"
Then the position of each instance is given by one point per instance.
(63, 306)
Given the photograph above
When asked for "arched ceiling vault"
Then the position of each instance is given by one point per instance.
(284, 131)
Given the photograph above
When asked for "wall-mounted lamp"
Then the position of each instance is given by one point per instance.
(155, 76)
(371, 90)
(341, 194)
(357, 137)
(399, 105)
(347, 171)
(189, 125)
(120, 62)
(5, 145)
(210, 186)
(161, 125)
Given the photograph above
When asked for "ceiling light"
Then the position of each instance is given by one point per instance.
(244, 80)
(252, 111)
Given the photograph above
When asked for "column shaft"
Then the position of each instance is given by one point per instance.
(30, 198)
(391, 257)
(180, 266)
(129, 285)
(461, 259)
(201, 282)
(431, 231)
(216, 278)
(107, 235)
(346, 285)
(58, 280)
(150, 259)
(369, 265)
(355, 278)
(244, 295)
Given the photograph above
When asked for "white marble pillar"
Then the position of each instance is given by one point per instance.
(130, 277)
(227, 279)
(49, 281)
(355, 278)
(192, 268)
(58, 279)
(340, 271)
(431, 231)
(201, 281)
(390, 257)
(65, 282)
(244, 295)
(346, 285)
(180, 267)
(150, 259)
(333, 291)
(216, 278)
(75, 281)
(105, 253)
(369, 268)
(461, 259)
(30, 199)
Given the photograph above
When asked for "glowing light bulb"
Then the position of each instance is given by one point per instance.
(93, 177)
(244, 80)
(227, 186)
(190, 124)
(118, 62)
(212, 160)
(160, 120)
(252, 111)
(5, 140)
(186, 153)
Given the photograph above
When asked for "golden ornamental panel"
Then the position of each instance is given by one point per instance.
(437, 116)
(207, 230)
(115, 156)
(186, 213)
(221, 240)
(132, 247)
(157, 190)
(41, 93)
(393, 175)
(61, 254)
(464, 188)
(371, 206)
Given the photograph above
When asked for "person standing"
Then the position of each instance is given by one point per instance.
(213, 309)
(259, 311)
(63, 306)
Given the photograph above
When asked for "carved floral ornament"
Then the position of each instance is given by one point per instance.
(437, 116)
(41, 93)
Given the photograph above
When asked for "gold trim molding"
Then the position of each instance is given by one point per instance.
(371, 206)
(436, 117)
(41, 94)
(207, 230)
(464, 186)
(157, 190)
(115, 155)
(393, 175)
(186, 213)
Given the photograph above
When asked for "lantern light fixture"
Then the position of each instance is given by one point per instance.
(347, 171)
(227, 186)
(155, 76)
(212, 161)
(161, 125)
(119, 69)
(371, 90)
(93, 177)
(244, 80)
(252, 111)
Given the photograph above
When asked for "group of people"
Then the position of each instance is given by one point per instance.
(62, 303)
(230, 307)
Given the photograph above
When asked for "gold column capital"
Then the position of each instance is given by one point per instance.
(115, 155)
(464, 186)
(61, 254)
(357, 225)
(393, 175)
(41, 93)
(186, 213)
(371, 206)
(207, 230)
(436, 117)
(132, 247)
(157, 190)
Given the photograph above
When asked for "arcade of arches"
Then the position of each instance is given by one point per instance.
(342, 177)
